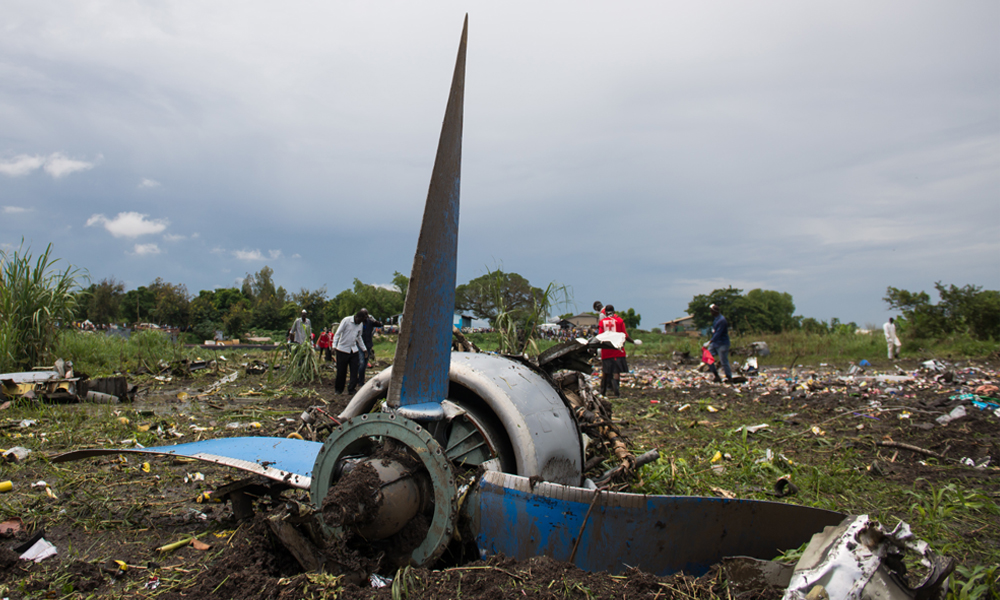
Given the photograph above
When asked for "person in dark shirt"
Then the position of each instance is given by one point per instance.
(368, 330)
(719, 344)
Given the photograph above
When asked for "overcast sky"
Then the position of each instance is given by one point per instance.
(638, 152)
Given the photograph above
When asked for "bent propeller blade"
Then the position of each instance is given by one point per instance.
(423, 353)
(613, 531)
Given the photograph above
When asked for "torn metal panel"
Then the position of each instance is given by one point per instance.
(40, 383)
(859, 560)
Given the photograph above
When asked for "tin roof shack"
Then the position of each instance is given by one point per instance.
(683, 325)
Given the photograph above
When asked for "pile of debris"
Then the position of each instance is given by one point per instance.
(58, 383)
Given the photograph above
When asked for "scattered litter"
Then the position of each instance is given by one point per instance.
(227, 379)
(377, 581)
(6, 486)
(200, 545)
(39, 551)
(16, 454)
(153, 583)
(27, 423)
(751, 428)
(956, 413)
(724, 493)
(817, 431)
(982, 464)
(934, 365)
(983, 405)
(11, 527)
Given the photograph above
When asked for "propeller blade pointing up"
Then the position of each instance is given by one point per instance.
(423, 354)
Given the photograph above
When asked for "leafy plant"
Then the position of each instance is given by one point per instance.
(976, 583)
(303, 360)
(34, 300)
(517, 326)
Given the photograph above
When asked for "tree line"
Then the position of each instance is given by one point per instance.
(260, 304)
(968, 310)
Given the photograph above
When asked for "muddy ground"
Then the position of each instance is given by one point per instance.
(849, 446)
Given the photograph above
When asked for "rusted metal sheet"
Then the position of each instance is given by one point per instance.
(658, 534)
(423, 352)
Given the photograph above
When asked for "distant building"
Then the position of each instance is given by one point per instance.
(462, 321)
(681, 325)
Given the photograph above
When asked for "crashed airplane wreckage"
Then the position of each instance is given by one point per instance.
(451, 452)
(59, 383)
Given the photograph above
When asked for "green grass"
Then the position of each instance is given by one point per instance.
(831, 473)
(100, 355)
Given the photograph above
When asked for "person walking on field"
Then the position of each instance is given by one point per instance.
(891, 339)
(719, 344)
(613, 362)
(350, 348)
(301, 329)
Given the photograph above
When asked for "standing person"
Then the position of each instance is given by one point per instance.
(367, 331)
(613, 362)
(719, 344)
(891, 339)
(301, 329)
(325, 342)
(350, 348)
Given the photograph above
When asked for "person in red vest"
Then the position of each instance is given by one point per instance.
(613, 362)
(325, 342)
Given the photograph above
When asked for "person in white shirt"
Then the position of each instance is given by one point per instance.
(349, 347)
(891, 339)
(300, 329)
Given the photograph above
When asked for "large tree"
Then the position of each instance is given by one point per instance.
(757, 311)
(968, 309)
(725, 299)
(486, 296)
(266, 300)
(138, 304)
(381, 301)
(173, 305)
(103, 300)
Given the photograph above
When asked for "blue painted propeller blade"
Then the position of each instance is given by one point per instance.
(658, 534)
(423, 353)
(280, 459)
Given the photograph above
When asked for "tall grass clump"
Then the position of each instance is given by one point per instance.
(35, 298)
(100, 355)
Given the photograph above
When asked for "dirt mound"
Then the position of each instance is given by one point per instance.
(251, 566)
